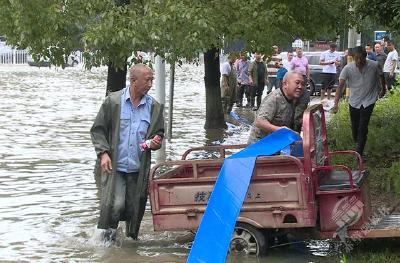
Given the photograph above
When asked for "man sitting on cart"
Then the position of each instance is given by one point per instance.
(278, 109)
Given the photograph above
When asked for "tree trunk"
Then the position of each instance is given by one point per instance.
(214, 114)
(116, 78)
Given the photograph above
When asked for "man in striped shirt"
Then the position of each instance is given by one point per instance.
(274, 63)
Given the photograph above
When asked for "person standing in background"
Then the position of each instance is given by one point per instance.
(329, 59)
(258, 77)
(390, 65)
(300, 64)
(242, 69)
(274, 63)
(370, 52)
(380, 55)
(228, 84)
(286, 62)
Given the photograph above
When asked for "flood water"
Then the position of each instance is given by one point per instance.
(48, 201)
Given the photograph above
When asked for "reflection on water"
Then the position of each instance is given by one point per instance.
(48, 204)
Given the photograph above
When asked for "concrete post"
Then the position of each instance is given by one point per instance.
(171, 101)
(160, 79)
(160, 97)
(354, 39)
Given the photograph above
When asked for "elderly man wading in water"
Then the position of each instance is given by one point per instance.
(128, 126)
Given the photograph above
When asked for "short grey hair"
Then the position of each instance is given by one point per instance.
(137, 69)
(290, 73)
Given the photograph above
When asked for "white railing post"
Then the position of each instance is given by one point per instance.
(14, 56)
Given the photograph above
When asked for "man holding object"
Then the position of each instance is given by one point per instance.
(127, 120)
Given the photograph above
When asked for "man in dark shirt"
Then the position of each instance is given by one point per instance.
(380, 55)
(370, 52)
(258, 77)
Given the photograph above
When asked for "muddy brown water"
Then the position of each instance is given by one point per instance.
(48, 202)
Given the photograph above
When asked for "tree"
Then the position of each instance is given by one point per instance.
(108, 31)
(381, 13)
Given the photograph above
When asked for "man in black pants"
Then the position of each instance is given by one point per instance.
(366, 83)
(258, 75)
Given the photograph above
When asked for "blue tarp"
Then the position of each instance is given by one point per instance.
(213, 236)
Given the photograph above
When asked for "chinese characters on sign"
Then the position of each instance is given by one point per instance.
(204, 196)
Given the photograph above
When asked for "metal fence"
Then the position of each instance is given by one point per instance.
(14, 56)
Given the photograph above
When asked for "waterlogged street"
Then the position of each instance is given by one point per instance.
(48, 197)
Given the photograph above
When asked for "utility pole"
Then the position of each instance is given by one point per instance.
(171, 100)
(354, 38)
(160, 97)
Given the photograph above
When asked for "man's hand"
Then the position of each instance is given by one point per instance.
(391, 74)
(382, 93)
(156, 142)
(281, 127)
(335, 108)
(105, 162)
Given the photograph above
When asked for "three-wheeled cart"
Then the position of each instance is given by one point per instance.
(303, 194)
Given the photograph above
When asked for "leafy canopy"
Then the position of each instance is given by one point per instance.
(108, 31)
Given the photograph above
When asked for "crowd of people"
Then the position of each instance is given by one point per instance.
(252, 76)
(367, 72)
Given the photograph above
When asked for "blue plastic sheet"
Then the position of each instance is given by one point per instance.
(213, 236)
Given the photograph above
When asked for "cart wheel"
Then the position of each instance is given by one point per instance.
(247, 240)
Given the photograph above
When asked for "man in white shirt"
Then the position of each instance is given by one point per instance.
(330, 59)
(228, 84)
(390, 65)
(286, 62)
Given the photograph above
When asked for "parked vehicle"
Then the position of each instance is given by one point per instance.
(40, 63)
(5, 53)
(72, 61)
(303, 195)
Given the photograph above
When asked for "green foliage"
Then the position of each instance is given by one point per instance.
(339, 132)
(44, 27)
(393, 176)
(384, 14)
(373, 257)
(383, 133)
(375, 251)
(383, 145)
(109, 30)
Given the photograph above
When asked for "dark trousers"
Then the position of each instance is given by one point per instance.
(125, 188)
(359, 125)
(242, 90)
(257, 91)
(389, 80)
(272, 82)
